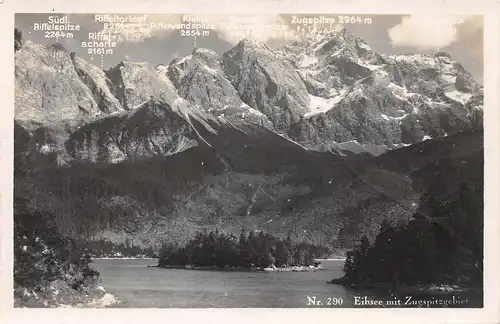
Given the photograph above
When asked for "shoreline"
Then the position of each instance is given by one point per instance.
(58, 294)
(422, 289)
(310, 268)
(123, 258)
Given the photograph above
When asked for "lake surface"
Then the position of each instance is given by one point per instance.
(139, 286)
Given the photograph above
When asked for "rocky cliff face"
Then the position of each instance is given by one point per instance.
(332, 92)
(99, 85)
(48, 89)
(135, 83)
(200, 79)
(358, 95)
(328, 92)
(267, 83)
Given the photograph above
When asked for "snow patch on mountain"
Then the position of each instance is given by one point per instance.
(371, 67)
(251, 110)
(399, 92)
(389, 118)
(450, 79)
(161, 68)
(320, 105)
(413, 59)
(209, 69)
(308, 61)
(457, 96)
(293, 142)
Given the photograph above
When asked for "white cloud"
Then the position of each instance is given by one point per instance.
(425, 32)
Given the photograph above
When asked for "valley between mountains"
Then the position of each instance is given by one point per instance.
(321, 140)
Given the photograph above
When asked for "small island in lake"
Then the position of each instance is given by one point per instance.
(255, 251)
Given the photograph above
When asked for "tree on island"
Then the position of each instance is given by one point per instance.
(254, 249)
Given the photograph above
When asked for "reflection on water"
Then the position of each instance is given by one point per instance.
(141, 286)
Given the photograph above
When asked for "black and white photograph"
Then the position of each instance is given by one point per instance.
(309, 160)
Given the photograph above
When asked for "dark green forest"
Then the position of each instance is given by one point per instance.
(443, 244)
(253, 249)
(42, 255)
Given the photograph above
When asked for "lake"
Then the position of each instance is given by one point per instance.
(139, 286)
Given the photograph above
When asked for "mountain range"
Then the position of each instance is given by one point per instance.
(322, 139)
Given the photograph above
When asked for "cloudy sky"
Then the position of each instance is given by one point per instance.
(460, 36)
